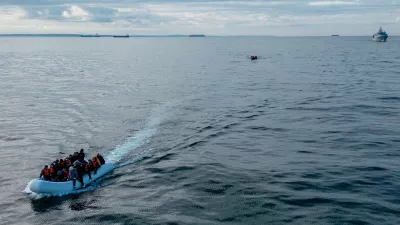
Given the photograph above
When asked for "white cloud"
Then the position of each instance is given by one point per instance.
(76, 13)
(11, 14)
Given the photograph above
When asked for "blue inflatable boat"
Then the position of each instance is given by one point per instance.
(42, 186)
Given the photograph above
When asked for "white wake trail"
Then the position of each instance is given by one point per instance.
(139, 138)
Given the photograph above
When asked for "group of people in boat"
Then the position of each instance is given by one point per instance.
(73, 168)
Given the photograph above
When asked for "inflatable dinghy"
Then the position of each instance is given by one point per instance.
(42, 186)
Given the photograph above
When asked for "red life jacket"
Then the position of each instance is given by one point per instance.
(46, 172)
(95, 164)
(52, 170)
(98, 161)
(66, 173)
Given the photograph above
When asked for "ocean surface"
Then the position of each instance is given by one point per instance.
(200, 134)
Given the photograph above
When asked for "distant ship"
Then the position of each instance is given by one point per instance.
(197, 35)
(381, 36)
(121, 36)
(90, 35)
(335, 35)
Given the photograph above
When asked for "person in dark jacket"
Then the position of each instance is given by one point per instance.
(78, 166)
(75, 157)
(81, 155)
(60, 176)
(67, 163)
(74, 175)
(89, 168)
(61, 164)
(55, 165)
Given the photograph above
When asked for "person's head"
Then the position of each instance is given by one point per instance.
(89, 160)
(46, 166)
(71, 168)
(81, 150)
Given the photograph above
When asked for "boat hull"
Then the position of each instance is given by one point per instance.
(47, 187)
(380, 38)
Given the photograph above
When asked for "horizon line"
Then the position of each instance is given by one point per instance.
(173, 35)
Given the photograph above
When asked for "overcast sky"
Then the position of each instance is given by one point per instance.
(231, 17)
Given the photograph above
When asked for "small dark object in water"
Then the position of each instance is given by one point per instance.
(253, 57)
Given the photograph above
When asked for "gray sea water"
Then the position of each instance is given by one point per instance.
(307, 134)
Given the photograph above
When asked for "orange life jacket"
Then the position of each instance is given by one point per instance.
(46, 172)
(52, 170)
(95, 163)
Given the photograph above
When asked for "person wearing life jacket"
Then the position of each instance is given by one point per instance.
(66, 174)
(45, 173)
(97, 160)
(96, 164)
(53, 173)
(100, 158)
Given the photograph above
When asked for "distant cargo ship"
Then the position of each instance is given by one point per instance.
(197, 35)
(121, 36)
(90, 35)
